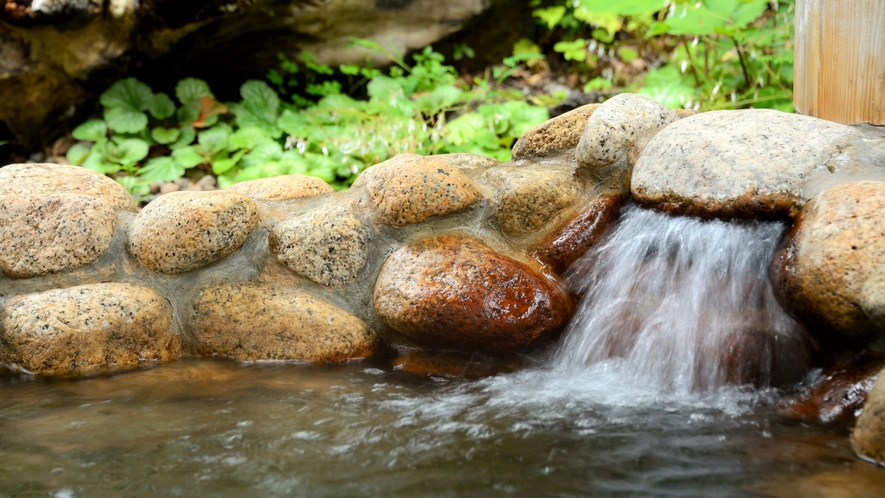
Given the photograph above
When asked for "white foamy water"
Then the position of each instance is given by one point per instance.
(667, 298)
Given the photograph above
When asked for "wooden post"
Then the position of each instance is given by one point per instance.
(840, 60)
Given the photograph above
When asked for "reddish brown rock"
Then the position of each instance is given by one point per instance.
(763, 358)
(836, 244)
(563, 247)
(838, 395)
(455, 291)
(453, 364)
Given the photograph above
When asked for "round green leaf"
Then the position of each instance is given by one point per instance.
(188, 113)
(214, 139)
(261, 96)
(165, 135)
(191, 90)
(187, 157)
(123, 120)
(187, 136)
(162, 106)
(161, 169)
(78, 153)
(128, 152)
(91, 131)
(129, 94)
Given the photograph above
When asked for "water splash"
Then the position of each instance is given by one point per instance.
(682, 304)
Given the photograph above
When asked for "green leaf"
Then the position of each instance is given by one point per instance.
(349, 69)
(224, 164)
(622, 7)
(263, 153)
(627, 54)
(748, 11)
(91, 131)
(261, 96)
(186, 137)
(572, 50)
(249, 137)
(191, 90)
(214, 139)
(187, 157)
(96, 162)
(383, 87)
(123, 120)
(294, 123)
(551, 15)
(136, 186)
(165, 135)
(189, 112)
(667, 86)
(464, 128)
(161, 169)
(162, 106)
(128, 151)
(129, 94)
(78, 153)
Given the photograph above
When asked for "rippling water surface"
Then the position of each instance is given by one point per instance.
(217, 428)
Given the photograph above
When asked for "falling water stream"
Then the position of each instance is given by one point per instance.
(637, 400)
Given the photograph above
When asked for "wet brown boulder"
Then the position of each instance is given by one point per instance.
(526, 198)
(838, 394)
(563, 247)
(869, 434)
(835, 246)
(454, 291)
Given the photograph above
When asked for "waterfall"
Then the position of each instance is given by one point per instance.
(682, 304)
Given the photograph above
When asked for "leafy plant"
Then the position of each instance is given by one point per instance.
(707, 54)
(302, 124)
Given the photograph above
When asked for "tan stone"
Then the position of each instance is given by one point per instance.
(184, 231)
(872, 298)
(282, 188)
(56, 178)
(329, 246)
(42, 234)
(555, 136)
(525, 199)
(750, 163)
(410, 188)
(615, 128)
(869, 434)
(456, 292)
(87, 329)
(251, 321)
(837, 243)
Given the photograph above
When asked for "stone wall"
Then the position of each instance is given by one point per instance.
(456, 252)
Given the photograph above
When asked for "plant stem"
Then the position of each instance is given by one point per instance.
(694, 69)
(740, 52)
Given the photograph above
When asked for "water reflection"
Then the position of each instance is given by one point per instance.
(212, 427)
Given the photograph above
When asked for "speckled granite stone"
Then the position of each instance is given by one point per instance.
(527, 198)
(454, 291)
(410, 188)
(48, 178)
(613, 129)
(872, 298)
(869, 434)
(87, 329)
(837, 243)
(41, 234)
(183, 231)
(749, 163)
(282, 188)
(253, 321)
(554, 136)
(329, 246)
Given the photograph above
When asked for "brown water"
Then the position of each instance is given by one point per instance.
(218, 428)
